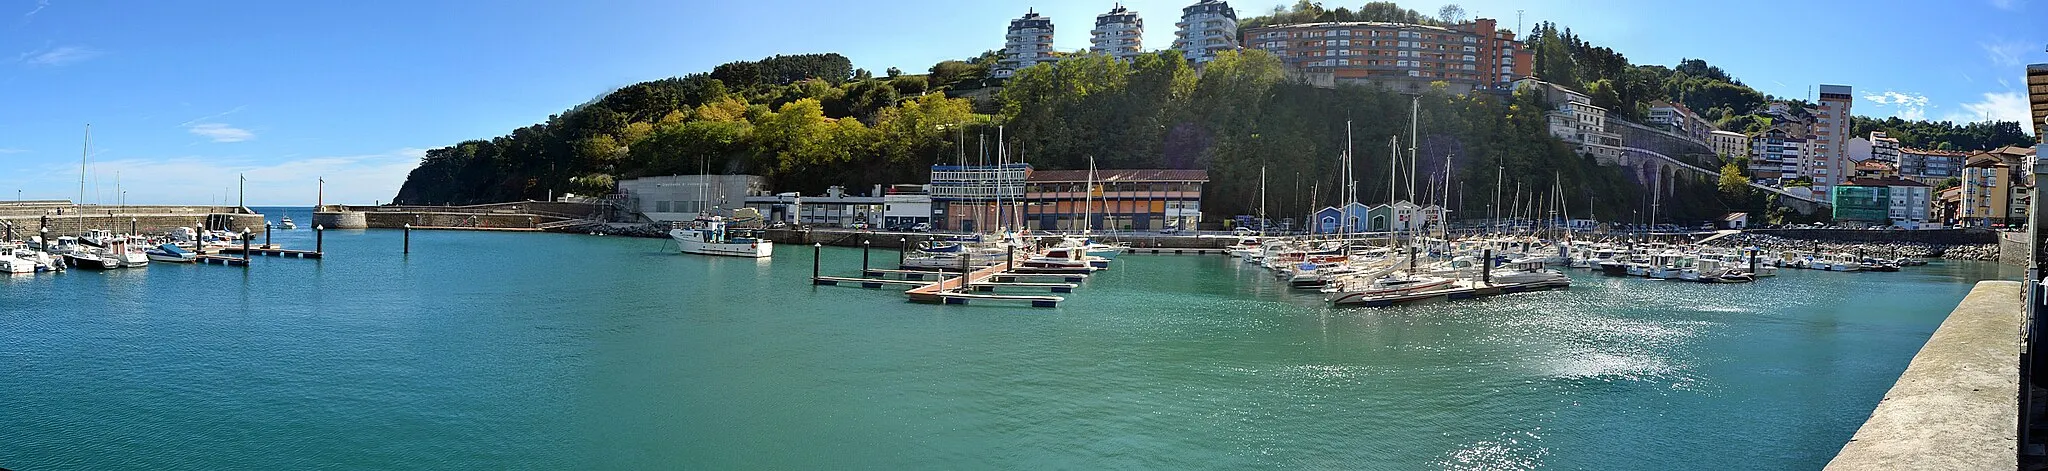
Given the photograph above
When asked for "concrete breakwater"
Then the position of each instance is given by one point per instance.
(62, 218)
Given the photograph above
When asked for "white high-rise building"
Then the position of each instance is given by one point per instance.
(1119, 33)
(1207, 27)
(1028, 43)
(1829, 165)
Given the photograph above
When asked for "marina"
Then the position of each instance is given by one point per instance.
(1773, 374)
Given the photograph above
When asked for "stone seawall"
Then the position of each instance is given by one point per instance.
(341, 220)
(25, 226)
(395, 220)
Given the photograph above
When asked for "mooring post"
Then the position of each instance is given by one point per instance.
(817, 254)
(245, 246)
(1486, 267)
(1752, 260)
(266, 236)
(131, 227)
(863, 256)
(319, 239)
(902, 244)
(408, 239)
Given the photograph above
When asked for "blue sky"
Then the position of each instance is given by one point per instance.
(183, 95)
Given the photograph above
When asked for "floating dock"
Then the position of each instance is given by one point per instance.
(270, 252)
(221, 260)
(956, 288)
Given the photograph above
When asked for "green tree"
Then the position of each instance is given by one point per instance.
(1732, 183)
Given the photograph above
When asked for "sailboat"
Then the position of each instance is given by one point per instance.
(1089, 246)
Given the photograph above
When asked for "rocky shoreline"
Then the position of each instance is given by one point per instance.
(1984, 252)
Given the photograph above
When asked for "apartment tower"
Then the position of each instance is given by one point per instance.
(1206, 28)
(1119, 33)
(1028, 43)
(1829, 164)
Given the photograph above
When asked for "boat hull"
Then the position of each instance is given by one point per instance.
(759, 249)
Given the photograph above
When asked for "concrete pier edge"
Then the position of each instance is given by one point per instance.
(1957, 404)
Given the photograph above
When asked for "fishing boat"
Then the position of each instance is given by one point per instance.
(709, 235)
(12, 262)
(91, 259)
(170, 253)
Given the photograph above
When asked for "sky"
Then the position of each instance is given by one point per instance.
(183, 96)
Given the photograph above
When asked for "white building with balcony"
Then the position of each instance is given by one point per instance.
(1119, 33)
(1206, 28)
(1027, 43)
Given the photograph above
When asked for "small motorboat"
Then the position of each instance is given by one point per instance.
(285, 222)
(171, 253)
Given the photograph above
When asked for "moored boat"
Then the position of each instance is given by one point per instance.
(711, 236)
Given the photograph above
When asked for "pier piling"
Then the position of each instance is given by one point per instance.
(266, 237)
(817, 252)
(319, 238)
(408, 239)
(1486, 267)
(901, 246)
(863, 254)
(132, 222)
(245, 246)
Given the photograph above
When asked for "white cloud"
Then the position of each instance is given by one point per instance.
(219, 132)
(2006, 53)
(357, 179)
(40, 5)
(12, 151)
(58, 57)
(1908, 106)
(2012, 5)
(212, 116)
(2005, 106)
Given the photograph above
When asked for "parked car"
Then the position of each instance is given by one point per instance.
(921, 227)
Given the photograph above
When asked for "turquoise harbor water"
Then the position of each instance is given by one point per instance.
(534, 351)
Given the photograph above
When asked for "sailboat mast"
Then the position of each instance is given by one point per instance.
(1262, 196)
(1414, 159)
(1498, 173)
(78, 207)
(1088, 200)
(1393, 169)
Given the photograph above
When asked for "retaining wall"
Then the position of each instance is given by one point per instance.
(2012, 248)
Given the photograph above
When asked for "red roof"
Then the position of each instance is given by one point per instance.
(1128, 175)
